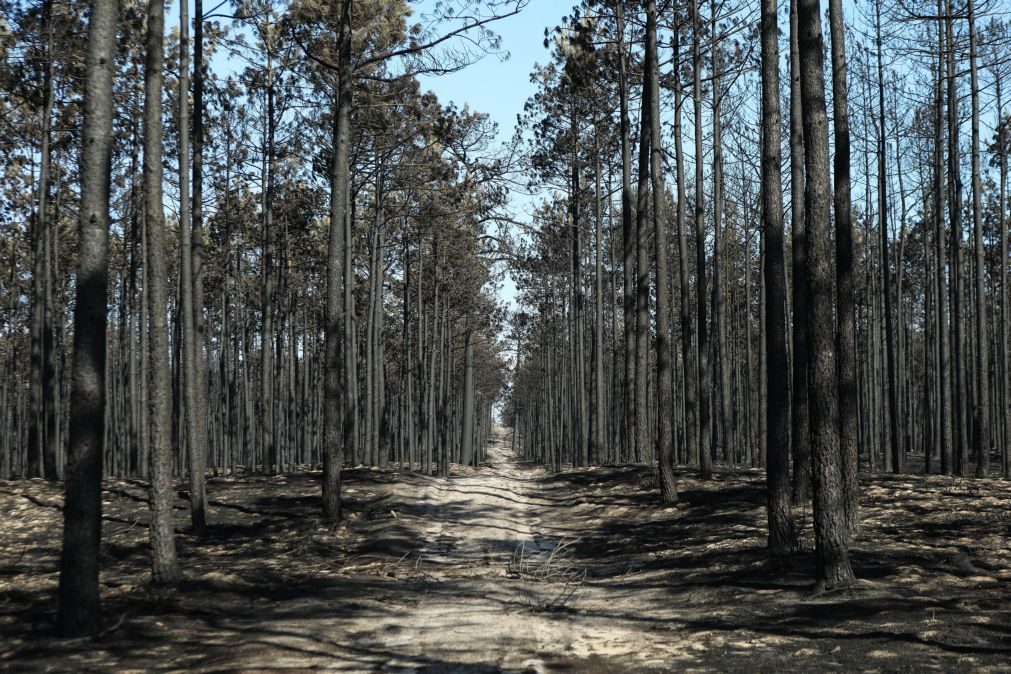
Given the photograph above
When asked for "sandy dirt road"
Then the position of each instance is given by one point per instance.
(485, 583)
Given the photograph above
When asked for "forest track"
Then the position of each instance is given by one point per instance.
(480, 588)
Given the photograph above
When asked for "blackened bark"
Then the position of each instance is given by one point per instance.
(845, 302)
(664, 374)
(981, 400)
(961, 454)
(268, 441)
(1005, 378)
(580, 451)
(627, 235)
(800, 436)
(340, 196)
(164, 564)
(722, 361)
(598, 415)
(831, 532)
(79, 612)
(702, 330)
(690, 373)
(642, 328)
(467, 451)
(197, 242)
(43, 358)
(781, 531)
(940, 241)
(894, 442)
(196, 445)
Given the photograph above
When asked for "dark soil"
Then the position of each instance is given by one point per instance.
(513, 568)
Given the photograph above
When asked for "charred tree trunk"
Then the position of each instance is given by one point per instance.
(800, 436)
(664, 375)
(846, 335)
(79, 612)
(627, 237)
(831, 532)
(164, 564)
(781, 531)
(894, 442)
(690, 373)
(705, 375)
(944, 365)
(196, 446)
(642, 411)
(335, 433)
(981, 400)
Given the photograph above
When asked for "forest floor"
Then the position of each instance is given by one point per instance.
(513, 568)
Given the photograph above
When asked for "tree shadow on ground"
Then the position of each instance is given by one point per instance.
(924, 587)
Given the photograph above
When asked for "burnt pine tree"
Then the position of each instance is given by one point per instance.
(627, 234)
(664, 374)
(895, 454)
(845, 309)
(41, 438)
(336, 421)
(688, 356)
(705, 384)
(164, 565)
(192, 359)
(943, 364)
(981, 402)
(831, 532)
(79, 610)
(642, 269)
(781, 530)
(800, 437)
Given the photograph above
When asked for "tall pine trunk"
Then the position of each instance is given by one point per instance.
(702, 330)
(164, 565)
(800, 436)
(981, 400)
(894, 442)
(689, 372)
(598, 415)
(846, 333)
(197, 237)
(196, 446)
(79, 612)
(43, 360)
(722, 362)
(943, 372)
(1005, 381)
(268, 441)
(627, 238)
(781, 532)
(335, 433)
(831, 533)
(664, 374)
(643, 451)
(467, 450)
(960, 420)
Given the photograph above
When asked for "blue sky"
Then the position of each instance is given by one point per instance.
(500, 88)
